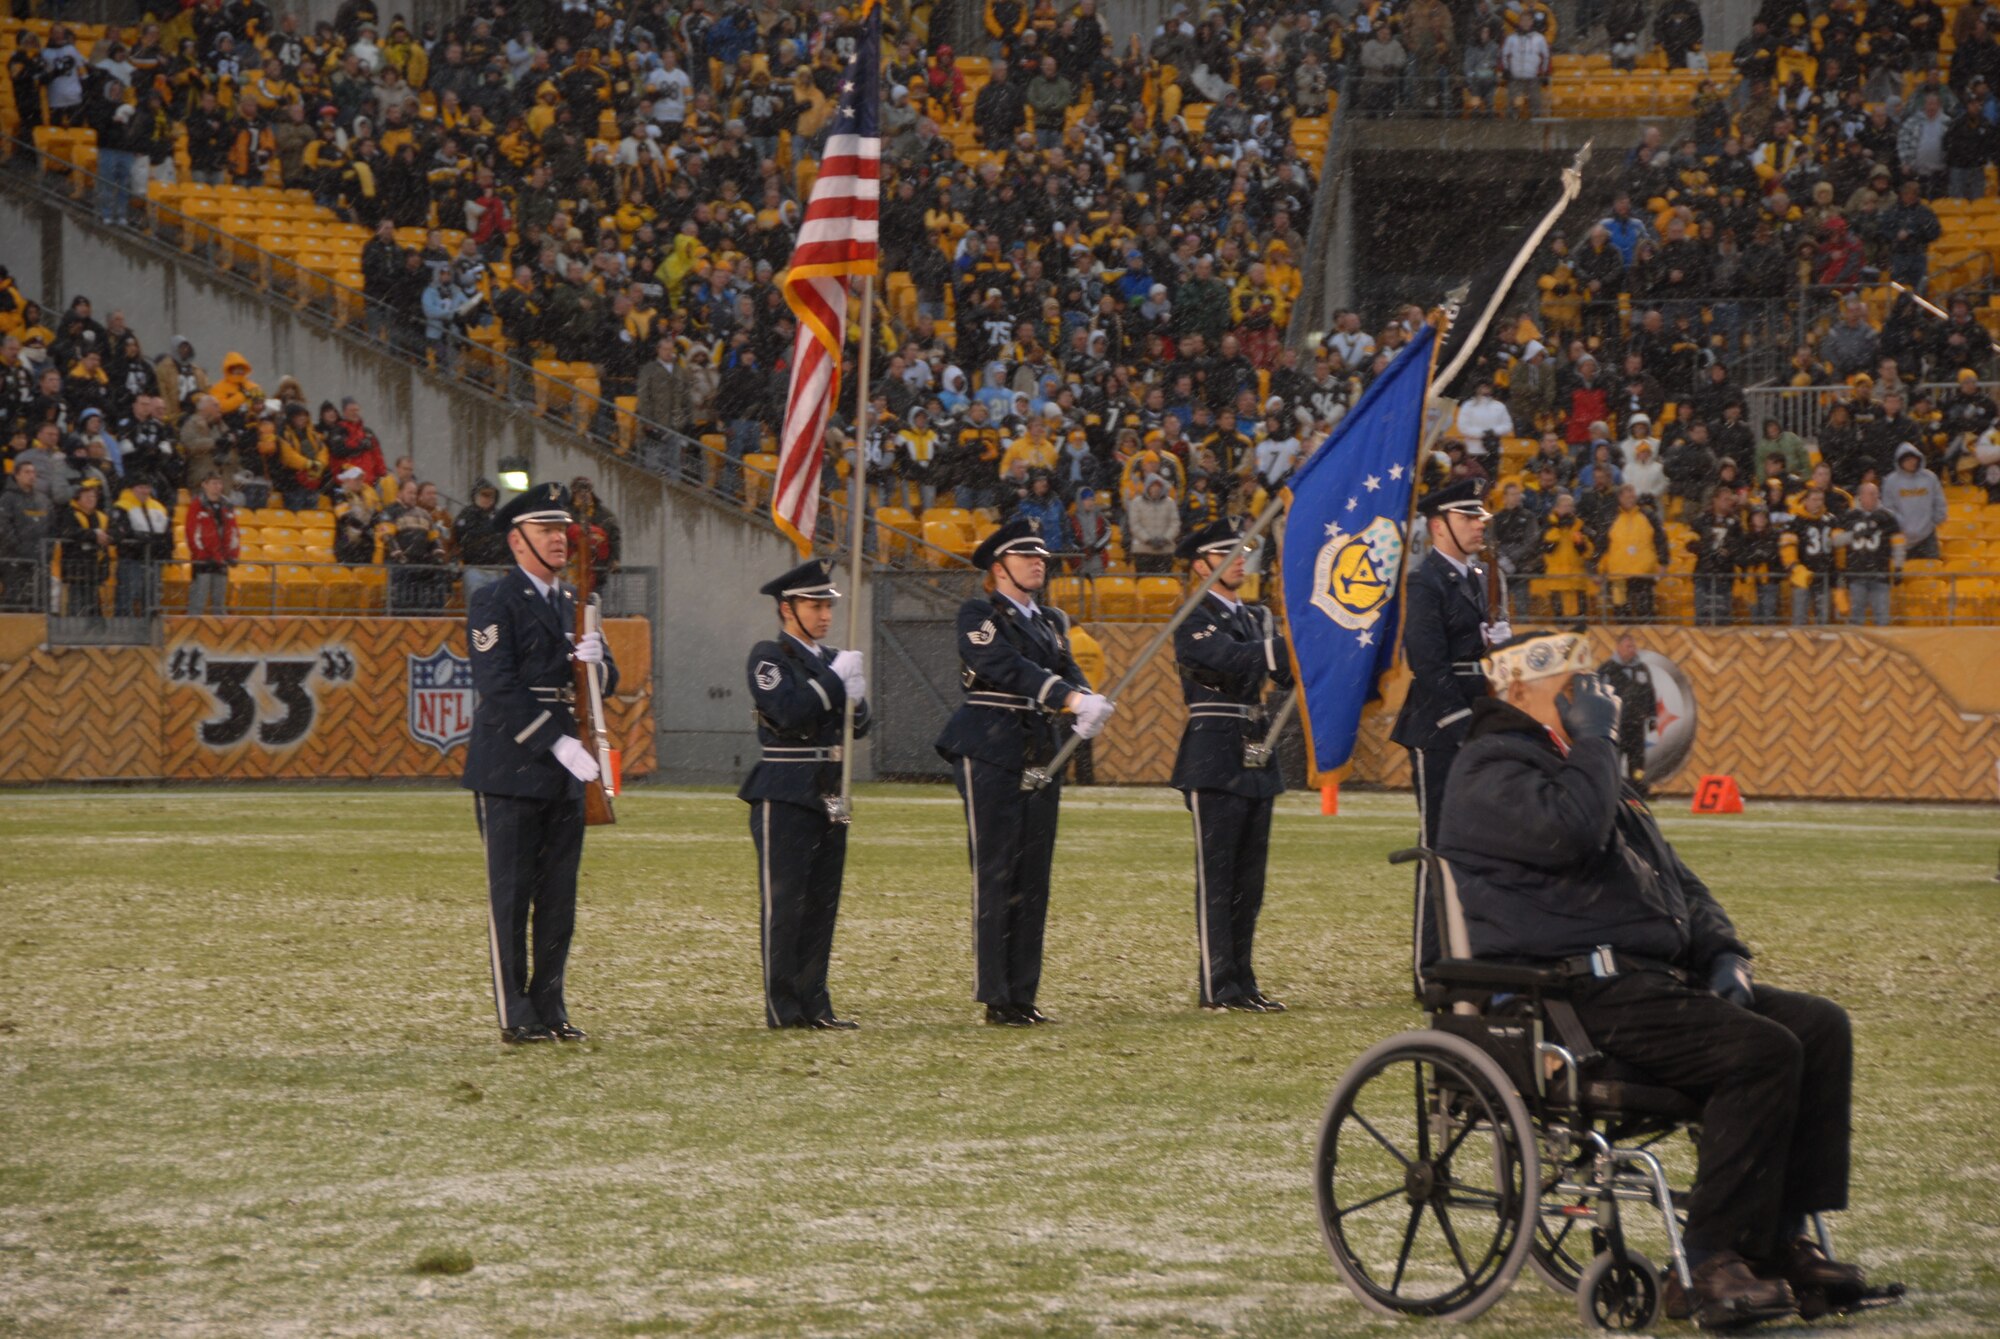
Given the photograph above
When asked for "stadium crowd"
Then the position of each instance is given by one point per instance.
(131, 461)
(1093, 251)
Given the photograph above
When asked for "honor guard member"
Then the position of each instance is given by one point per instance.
(525, 765)
(801, 690)
(1228, 652)
(1018, 674)
(1445, 633)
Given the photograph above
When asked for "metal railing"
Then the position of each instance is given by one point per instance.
(1804, 409)
(1914, 598)
(89, 592)
(565, 398)
(1606, 95)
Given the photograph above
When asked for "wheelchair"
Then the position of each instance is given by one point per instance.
(1497, 1137)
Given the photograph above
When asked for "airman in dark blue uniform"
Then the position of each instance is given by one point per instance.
(801, 690)
(1018, 674)
(1446, 631)
(525, 765)
(1227, 652)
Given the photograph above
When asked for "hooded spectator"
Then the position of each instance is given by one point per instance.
(1913, 494)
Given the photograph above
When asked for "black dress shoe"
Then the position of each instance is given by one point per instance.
(522, 1036)
(1240, 1004)
(1266, 1003)
(1033, 1015)
(832, 1024)
(1007, 1015)
(569, 1032)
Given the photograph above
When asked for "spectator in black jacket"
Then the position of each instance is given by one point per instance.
(1517, 537)
(1715, 546)
(210, 138)
(479, 537)
(381, 273)
(743, 398)
(1000, 110)
(84, 532)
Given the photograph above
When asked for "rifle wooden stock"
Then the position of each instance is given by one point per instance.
(590, 730)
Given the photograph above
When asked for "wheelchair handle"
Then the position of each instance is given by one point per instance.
(1409, 854)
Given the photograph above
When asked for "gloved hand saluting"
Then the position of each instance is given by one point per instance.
(847, 664)
(1729, 977)
(1092, 711)
(589, 648)
(1591, 709)
(571, 753)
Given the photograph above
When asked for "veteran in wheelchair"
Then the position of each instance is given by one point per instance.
(1594, 1001)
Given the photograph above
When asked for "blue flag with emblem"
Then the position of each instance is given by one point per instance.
(1346, 522)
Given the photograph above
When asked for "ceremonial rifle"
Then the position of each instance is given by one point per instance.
(590, 731)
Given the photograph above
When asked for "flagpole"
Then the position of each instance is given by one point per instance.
(857, 512)
(1572, 183)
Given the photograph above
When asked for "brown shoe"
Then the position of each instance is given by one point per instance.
(1673, 1297)
(1806, 1267)
(1727, 1293)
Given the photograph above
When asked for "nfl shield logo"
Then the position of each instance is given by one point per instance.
(440, 707)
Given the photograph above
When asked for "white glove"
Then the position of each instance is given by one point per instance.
(847, 664)
(1496, 633)
(1092, 713)
(589, 648)
(571, 753)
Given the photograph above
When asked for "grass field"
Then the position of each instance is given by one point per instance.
(251, 1074)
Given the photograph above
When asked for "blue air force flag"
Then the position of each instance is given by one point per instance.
(1347, 520)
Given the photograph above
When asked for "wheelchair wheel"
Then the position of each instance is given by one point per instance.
(1426, 1176)
(1614, 1295)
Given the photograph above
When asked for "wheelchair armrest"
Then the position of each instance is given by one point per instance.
(1497, 975)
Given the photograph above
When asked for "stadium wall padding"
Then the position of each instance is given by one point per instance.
(1791, 713)
(242, 699)
(711, 557)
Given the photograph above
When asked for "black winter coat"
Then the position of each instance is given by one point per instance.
(1555, 856)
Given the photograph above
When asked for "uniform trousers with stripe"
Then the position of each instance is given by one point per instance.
(1011, 836)
(801, 854)
(1232, 840)
(533, 848)
(1429, 770)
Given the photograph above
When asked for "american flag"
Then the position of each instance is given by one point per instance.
(837, 242)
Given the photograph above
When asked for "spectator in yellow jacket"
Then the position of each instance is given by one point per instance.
(236, 392)
(1635, 551)
(1033, 447)
(1567, 549)
(301, 461)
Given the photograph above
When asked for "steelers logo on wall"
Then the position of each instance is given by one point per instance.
(1354, 574)
(1670, 734)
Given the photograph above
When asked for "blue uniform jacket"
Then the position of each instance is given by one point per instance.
(799, 703)
(521, 669)
(1443, 613)
(1225, 660)
(1017, 674)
